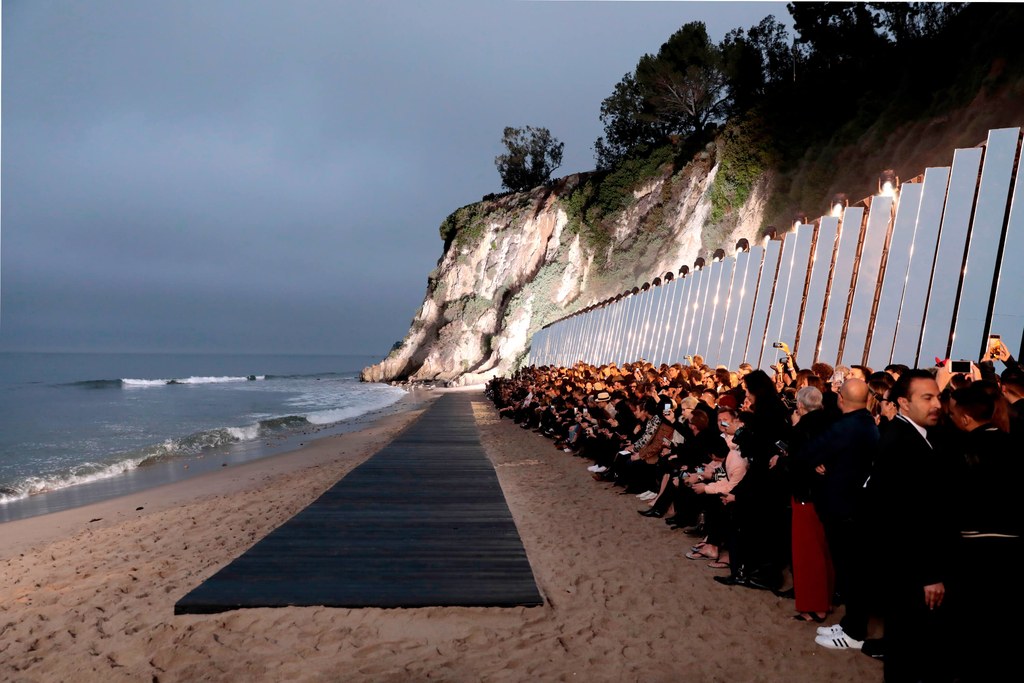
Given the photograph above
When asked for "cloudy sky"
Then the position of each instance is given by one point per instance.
(269, 176)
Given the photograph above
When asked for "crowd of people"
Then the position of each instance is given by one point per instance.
(889, 493)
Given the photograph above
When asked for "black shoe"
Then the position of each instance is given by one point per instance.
(731, 580)
(874, 648)
(651, 512)
(788, 594)
(757, 584)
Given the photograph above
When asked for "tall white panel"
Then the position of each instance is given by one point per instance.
(700, 282)
(919, 272)
(773, 332)
(797, 281)
(722, 306)
(708, 308)
(866, 285)
(986, 231)
(1007, 310)
(839, 289)
(894, 278)
(679, 326)
(737, 327)
(664, 333)
(653, 320)
(762, 303)
(949, 259)
(814, 310)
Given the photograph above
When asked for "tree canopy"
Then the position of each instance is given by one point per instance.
(687, 90)
(532, 156)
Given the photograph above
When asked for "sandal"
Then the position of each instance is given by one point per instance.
(809, 617)
(718, 565)
(699, 556)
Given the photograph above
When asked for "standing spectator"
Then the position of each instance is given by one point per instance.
(911, 488)
(812, 568)
(990, 527)
(842, 457)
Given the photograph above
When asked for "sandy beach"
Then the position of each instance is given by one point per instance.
(88, 594)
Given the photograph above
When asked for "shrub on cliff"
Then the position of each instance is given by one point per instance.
(533, 155)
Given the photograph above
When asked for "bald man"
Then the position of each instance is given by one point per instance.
(843, 456)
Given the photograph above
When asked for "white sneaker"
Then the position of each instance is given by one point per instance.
(647, 495)
(601, 469)
(834, 629)
(567, 450)
(839, 641)
(593, 468)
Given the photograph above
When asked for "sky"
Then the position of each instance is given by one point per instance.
(266, 176)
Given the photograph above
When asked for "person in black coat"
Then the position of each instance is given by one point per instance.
(910, 490)
(988, 484)
(842, 458)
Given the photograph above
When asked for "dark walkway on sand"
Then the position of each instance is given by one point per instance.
(423, 522)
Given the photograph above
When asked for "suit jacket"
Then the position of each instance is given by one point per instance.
(847, 450)
(911, 497)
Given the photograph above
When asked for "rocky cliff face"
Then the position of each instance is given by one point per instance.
(516, 263)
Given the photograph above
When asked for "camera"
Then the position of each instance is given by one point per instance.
(958, 366)
(777, 345)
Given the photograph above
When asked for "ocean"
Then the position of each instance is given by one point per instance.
(76, 428)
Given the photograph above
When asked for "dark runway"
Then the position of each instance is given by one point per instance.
(421, 523)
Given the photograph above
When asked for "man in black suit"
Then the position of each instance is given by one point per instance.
(911, 492)
(842, 458)
(990, 528)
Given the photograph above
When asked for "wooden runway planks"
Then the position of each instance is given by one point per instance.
(421, 523)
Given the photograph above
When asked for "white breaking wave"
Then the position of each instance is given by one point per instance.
(380, 399)
(188, 380)
(80, 474)
(249, 433)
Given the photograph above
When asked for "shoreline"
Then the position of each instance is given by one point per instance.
(296, 454)
(184, 469)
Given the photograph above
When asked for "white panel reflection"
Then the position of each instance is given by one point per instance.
(700, 286)
(986, 230)
(722, 307)
(1007, 310)
(839, 288)
(664, 331)
(949, 259)
(708, 315)
(854, 346)
(736, 331)
(679, 327)
(765, 286)
(650, 330)
(814, 313)
(773, 331)
(919, 272)
(890, 299)
(790, 327)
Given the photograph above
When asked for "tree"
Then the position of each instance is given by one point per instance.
(685, 83)
(533, 155)
(625, 127)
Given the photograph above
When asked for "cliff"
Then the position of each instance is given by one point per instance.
(518, 262)
(515, 263)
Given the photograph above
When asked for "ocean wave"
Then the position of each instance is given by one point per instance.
(191, 445)
(141, 382)
(190, 380)
(165, 451)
